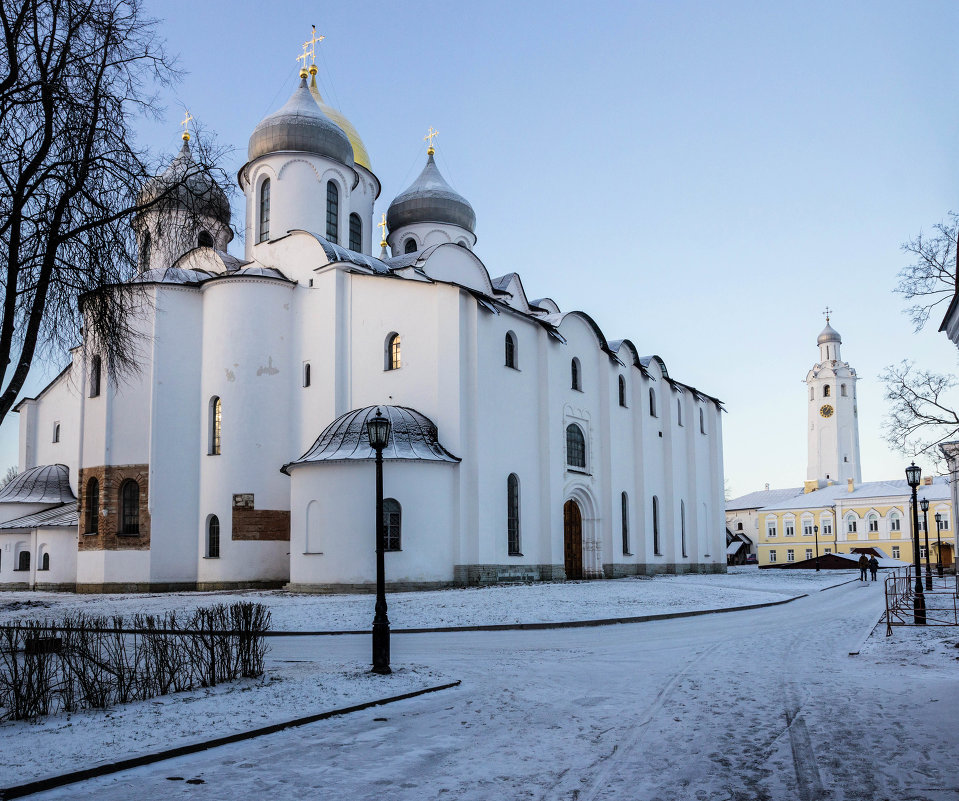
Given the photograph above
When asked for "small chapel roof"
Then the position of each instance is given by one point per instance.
(829, 334)
(430, 199)
(63, 515)
(413, 437)
(46, 483)
(186, 184)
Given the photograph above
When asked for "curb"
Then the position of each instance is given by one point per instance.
(841, 584)
(49, 783)
(568, 624)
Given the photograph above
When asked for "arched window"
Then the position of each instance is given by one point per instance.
(812, 393)
(213, 537)
(842, 390)
(624, 517)
(895, 522)
(93, 507)
(575, 446)
(652, 403)
(332, 212)
(702, 422)
(510, 344)
(622, 392)
(23, 560)
(306, 374)
(409, 246)
(45, 561)
(216, 419)
(512, 515)
(574, 375)
(873, 520)
(204, 240)
(129, 508)
(263, 233)
(392, 514)
(682, 525)
(56, 432)
(95, 367)
(393, 360)
(146, 252)
(679, 411)
(656, 544)
(851, 523)
(356, 233)
(825, 391)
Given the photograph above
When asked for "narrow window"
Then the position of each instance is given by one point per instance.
(95, 367)
(894, 522)
(575, 446)
(56, 432)
(93, 506)
(825, 391)
(622, 392)
(213, 538)
(409, 246)
(146, 252)
(827, 525)
(263, 233)
(770, 526)
(391, 523)
(873, 522)
(772, 556)
(356, 233)
(702, 422)
(392, 356)
(922, 551)
(895, 551)
(332, 212)
(129, 508)
(216, 417)
(842, 390)
(656, 544)
(510, 344)
(945, 521)
(812, 393)
(45, 561)
(790, 528)
(652, 402)
(574, 375)
(624, 517)
(682, 524)
(306, 374)
(809, 553)
(679, 410)
(204, 240)
(851, 524)
(512, 515)
(23, 563)
(790, 555)
(807, 528)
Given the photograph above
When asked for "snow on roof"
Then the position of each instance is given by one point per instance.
(46, 483)
(827, 496)
(762, 498)
(63, 515)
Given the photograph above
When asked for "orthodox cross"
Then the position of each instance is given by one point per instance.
(827, 313)
(382, 226)
(430, 136)
(311, 43)
(303, 57)
(186, 125)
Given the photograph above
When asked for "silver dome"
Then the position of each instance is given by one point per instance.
(430, 199)
(195, 189)
(829, 334)
(46, 483)
(301, 125)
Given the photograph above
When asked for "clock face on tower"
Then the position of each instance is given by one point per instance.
(826, 411)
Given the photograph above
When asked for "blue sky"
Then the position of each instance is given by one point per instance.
(702, 178)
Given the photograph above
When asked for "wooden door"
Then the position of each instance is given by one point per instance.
(573, 540)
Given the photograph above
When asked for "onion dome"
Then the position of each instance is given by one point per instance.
(46, 483)
(301, 125)
(430, 199)
(829, 334)
(413, 437)
(189, 186)
(360, 156)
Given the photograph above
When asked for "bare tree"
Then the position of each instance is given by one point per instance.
(930, 280)
(922, 410)
(75, 75)
(8, 476)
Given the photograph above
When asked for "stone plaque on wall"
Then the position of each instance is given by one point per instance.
(243, 500)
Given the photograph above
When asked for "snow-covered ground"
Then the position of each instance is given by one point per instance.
(526, 603)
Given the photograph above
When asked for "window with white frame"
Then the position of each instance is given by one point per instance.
(851, 524)
(895, 522)
(944, 520)
(772, 556)
(827, 550)
(809, 553)
(873, 520)
(807, 528)
(790, 526)
(770, 526)
(922, 551)
(790, 555)
(827, 525)
(895, 551)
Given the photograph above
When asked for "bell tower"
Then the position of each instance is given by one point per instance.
(833, 416)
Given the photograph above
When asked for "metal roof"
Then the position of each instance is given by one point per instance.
(192, 188)
(64, 515)
(795, 498)
(430, 199)
(762, 498)
(413, 437)
(46, 483)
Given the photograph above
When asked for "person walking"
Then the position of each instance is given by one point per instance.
(863, 567)
(873, 566)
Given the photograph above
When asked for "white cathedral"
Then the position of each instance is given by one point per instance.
(525, 445)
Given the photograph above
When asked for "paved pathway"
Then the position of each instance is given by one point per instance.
(764, 704)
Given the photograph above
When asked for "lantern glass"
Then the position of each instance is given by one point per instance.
(924, 504)
(912, 475)
(378, 429)
(938, 518)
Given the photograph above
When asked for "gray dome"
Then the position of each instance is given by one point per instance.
(46, 483)
(829, 334)
(413, 437)
(172, 275)
(194, 188)
(301, 125)
(430, 199)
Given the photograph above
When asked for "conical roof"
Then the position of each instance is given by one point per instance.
(194, 188)
(46, 483)
(829, 334)
(430, 199)
(360, 156)
(300, 125)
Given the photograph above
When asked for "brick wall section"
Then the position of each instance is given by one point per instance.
(261, 524)
(110, 478)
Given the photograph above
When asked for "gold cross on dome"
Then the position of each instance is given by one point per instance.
(186, 125)
(303, 57)
(311, 43)
(827, 313)
(382, 226)
(430, 136)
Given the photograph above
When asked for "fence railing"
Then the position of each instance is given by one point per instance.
(941, 607)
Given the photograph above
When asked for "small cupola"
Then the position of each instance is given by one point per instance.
(829, 342)
(430, 212)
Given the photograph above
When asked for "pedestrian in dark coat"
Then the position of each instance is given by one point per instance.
(873, 566)
(863, 567)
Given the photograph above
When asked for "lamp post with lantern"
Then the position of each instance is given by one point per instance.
(378, 430)
(924, 505)
(815, 531)
(939, 544)
(913, 474)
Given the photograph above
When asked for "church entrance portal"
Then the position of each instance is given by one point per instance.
(573, 540)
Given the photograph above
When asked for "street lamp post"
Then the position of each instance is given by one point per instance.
(378, 429)
(913, 474)
(815, 530)
(939, 544)
(924, 505)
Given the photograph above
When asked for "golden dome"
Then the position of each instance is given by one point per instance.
(360, 156)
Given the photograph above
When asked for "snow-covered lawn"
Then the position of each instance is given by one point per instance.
(525, 603)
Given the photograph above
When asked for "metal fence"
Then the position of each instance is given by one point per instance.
(940, 598)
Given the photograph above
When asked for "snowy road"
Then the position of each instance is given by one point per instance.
(764, 704)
